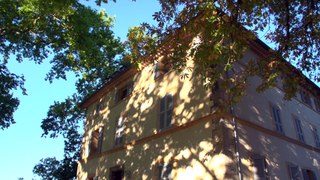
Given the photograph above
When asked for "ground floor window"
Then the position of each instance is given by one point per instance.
(308, 174)
(117, 173)
(164, 171)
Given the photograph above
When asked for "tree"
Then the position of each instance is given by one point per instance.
(224, 29)
(77, 37)
(65, 118)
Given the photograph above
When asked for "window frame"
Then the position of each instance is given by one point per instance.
(289, 166)
(96, 141)
(299, 130)
(160, 68)
(165, 122)
(127, 88)
(277, 120)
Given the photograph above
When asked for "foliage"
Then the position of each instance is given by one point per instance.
(8, 103)
(74, 36)
(217, 33)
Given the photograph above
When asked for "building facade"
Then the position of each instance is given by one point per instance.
(154, 124)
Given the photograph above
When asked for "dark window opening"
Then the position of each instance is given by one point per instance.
(124, 91)
(308, 174)
(116, 173)
(160, 69)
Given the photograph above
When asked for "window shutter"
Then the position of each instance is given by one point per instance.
(101, 129)
(162, 112)
(117, 97)
(259, 164)
(119, 135)
(169, 105)
(90, 144)
(277, 119)
(129, 88)
(156, 70)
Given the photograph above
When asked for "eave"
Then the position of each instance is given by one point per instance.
(118, 78)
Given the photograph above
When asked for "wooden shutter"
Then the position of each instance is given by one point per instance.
(169, 108)
(162, 112)
(100, 139)
(129, 88)
(119, 136)
(261, 167)
(156, 69)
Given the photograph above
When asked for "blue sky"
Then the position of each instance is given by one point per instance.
(21, 144)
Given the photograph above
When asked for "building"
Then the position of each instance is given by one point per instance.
(153, 124)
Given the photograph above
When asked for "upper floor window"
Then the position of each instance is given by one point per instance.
(277, 119)
(98, 109)
(317, 104)
(119, 135)
(315, 136)
(160, 68)
(260, 168)
(305, 97)
(299, 131)
(166, 109)
(95, 144)
(308, 174)
(124, 91)
(294, 172)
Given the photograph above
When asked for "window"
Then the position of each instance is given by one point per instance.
(93, 178)
(119, 136)
(260, 168)
(96, 141)
(317, 104)
(294, 172)
(164, 171)
(160, 68)
(98, 108)
(117, 173)
(124, 91)
(308, 174)
(277, 119)
(166, 108)
(315, 136)
(305, 97)
(299, 131)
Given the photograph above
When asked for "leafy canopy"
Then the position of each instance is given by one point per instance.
(224, 30)
(70, 35)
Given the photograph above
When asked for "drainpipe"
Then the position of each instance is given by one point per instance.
(236, 138)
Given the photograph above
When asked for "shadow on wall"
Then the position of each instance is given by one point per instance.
(197, 145)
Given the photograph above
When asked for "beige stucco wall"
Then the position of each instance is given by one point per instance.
(190, 148)
(141, 109)
(194, 149)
